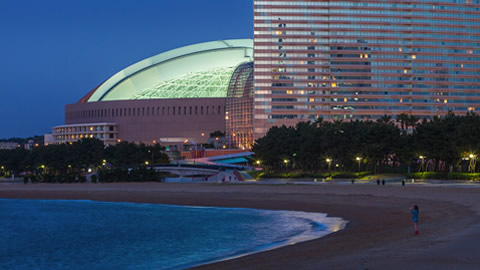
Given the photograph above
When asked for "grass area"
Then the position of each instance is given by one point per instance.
(444, 176)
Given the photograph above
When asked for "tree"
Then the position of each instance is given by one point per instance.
(403, 120)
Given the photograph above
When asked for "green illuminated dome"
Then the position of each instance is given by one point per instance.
(202, 84)
(198, 71)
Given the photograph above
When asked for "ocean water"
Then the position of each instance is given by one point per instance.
(42, 234)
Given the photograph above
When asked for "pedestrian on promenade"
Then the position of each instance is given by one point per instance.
(415, 211)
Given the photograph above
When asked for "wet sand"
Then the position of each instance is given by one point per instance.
(379, 234)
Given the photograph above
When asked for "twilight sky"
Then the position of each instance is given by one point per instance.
(53, 52)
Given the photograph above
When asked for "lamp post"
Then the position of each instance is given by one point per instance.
(358, 160)
(473, 161)
(285, 161)
(329, 162)
(423, 159)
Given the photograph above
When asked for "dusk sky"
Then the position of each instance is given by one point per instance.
(55, 51)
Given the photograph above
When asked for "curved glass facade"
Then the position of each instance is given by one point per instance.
(202, 84)
(201, 70)
(364, 59)
(239, 108)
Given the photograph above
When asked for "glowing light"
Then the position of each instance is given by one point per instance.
(358, 158)
(146, 163)
(285, 161)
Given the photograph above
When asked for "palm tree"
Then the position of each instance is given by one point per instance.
(318, 122)
(403, 119)
(385, 119)
(412, 121)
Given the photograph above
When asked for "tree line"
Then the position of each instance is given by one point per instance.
(442, 144)
(78, 158)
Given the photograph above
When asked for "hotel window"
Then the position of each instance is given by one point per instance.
(185, 110)
(201, 110)
(207, 109)
(129, 111)
(158, 111)
(163, 110)
(143, 111)
(196, 110)
(219, 109)
(173, 110)
(168, 110)
(148, 111)
(190, 110)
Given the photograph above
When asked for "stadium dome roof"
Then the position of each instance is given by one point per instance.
(202, 70)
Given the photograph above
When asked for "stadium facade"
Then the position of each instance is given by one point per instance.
(343, 60)
(171, 98)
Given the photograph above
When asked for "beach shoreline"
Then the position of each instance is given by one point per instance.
(379, 233)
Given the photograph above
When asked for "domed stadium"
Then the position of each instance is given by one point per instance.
(176, 96)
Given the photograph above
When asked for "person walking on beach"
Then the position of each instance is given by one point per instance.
(415, 211)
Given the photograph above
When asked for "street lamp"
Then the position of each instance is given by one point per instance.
(285, 161)
(358, 160)
(329, 162)
(423, 159)
(473, 161)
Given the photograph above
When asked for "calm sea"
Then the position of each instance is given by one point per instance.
(40, 234)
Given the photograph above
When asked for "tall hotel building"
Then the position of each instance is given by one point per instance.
(363, 59)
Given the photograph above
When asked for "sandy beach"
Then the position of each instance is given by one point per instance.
(379, 234)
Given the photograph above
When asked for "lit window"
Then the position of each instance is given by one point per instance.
(334, 85)
(414, 56)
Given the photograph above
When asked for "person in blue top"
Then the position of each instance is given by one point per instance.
(415, 211)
